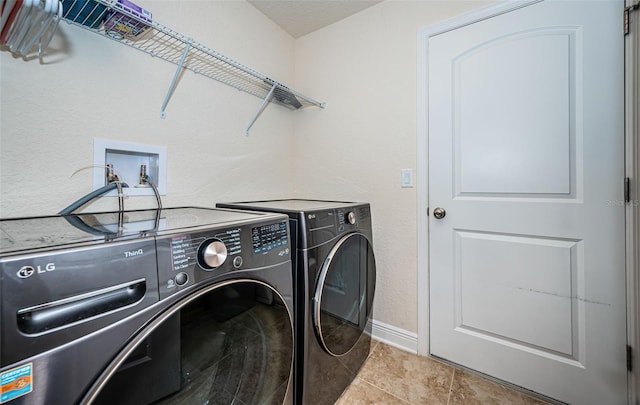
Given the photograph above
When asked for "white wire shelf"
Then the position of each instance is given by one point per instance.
(119, 22)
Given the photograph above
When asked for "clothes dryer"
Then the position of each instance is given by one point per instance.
(335, 276)
(182, 305)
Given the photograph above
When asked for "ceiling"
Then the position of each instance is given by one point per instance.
(300, 17)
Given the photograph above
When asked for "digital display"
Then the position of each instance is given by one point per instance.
(267, 237)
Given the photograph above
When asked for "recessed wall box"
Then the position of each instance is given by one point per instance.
(126, 159)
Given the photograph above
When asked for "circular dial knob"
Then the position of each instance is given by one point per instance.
(213, 253)
(351, 217)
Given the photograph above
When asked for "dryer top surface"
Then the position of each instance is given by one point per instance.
(291, 205)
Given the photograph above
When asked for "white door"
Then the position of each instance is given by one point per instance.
(526, 154)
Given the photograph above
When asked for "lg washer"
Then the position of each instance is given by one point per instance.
(335, 276)
(178, 306)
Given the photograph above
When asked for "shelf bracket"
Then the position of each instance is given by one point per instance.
(174, 82)
(262, 107)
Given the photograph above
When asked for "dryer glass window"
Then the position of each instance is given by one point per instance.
(232, 344)
(344, 296)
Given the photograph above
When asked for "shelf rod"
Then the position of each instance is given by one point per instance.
(262, 107)
(174, 82)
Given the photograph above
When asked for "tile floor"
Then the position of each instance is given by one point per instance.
(394, 377)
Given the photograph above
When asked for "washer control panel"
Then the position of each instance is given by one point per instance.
(265, 238)
(190, 258)
(209, 250)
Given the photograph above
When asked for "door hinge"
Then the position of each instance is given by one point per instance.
(627, 190)
(629, 358)
(626, 17)
(626, 20)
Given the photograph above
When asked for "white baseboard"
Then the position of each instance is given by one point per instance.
(393, 336)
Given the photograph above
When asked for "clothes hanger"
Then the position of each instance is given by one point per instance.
(7, 7)
(10, 20)
(21, 24)
(51, 30)
(40, 23)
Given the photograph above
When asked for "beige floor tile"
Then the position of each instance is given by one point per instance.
(417, 380)
(470, 389)
(363, 393)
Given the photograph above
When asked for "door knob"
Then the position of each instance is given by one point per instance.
(439, 213)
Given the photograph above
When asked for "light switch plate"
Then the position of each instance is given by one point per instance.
(407, 178)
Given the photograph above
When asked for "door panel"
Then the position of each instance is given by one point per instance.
(531, 287)
(526, 156)
(499, 143)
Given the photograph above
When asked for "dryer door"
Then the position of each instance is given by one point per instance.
(344, 294)
(229, 343)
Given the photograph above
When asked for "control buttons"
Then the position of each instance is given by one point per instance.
(181, 278)
(351, 217)
(212, 254)
(237, 262)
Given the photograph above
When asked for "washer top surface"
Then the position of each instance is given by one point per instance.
(36, 233)
(292, 205)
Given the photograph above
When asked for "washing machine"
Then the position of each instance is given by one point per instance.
(173, 306)
(335, 276)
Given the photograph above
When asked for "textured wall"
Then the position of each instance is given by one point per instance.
(95, 87)
(365, 68)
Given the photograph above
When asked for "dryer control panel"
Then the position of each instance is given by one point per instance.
(322, 226)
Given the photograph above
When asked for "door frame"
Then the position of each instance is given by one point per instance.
(632, 171)
(632, 152)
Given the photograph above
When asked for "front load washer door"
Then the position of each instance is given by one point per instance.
(230, 343)
(344, 294)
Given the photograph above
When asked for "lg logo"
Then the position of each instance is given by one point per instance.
(28, 271)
